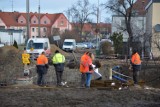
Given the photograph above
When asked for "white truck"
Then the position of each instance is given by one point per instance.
(69, 45)
(35, 46)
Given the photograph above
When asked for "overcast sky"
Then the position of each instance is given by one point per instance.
(47, 6)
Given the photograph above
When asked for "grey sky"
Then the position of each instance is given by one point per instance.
(47, 6)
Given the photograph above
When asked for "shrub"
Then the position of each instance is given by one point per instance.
(107, 48)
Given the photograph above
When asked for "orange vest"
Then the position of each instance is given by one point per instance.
(136, 59)
(42, 60)
(84, 63)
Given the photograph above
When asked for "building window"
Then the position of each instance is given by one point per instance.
(123, 23)
(21, 21)
(44, 29)
(34, 21)
(2, 27)
(36, 29)
(62, 23)
(33, 29)
(140, 24)
(45, 22)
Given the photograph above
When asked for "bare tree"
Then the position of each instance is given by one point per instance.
(156, 40)
(125, 9)
(80, 13)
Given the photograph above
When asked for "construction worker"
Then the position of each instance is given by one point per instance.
(136, 65)
(86, 69)
(83, 68)
(42, 66)
(58, 62)
(47, 52)
(90, 71)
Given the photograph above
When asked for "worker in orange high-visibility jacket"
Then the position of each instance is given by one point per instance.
(42, 66)
(136, 65)
(84, 68)
(90, 70)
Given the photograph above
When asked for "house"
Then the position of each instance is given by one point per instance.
(137, 21)
(153, 26)
(138, 25)
(48, 23)
(89, 29)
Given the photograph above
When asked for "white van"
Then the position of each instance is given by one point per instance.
(35, 46)
(69, 45)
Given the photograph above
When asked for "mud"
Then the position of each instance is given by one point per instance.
(14, 95)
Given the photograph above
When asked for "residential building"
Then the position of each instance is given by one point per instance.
(48, 23)
(153, 26)
(89, 30)
(138, 25)
(138, 20)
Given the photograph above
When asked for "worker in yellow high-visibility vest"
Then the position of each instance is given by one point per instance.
(58, 62)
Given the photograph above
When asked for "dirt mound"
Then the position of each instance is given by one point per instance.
(54, 48)
(11, 63)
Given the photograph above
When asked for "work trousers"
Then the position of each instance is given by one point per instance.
(59, 77)
(83, 79)
(41, 70)
(136, 70)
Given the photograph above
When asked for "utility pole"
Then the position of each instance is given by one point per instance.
(143, 29)
(68, 14)
(97, 29)
(39, 30)
(28, 23)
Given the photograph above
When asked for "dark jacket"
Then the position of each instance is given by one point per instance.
(59, 67)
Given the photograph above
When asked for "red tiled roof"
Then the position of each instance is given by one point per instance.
(140, 5)
(10, 18)
(91, 27)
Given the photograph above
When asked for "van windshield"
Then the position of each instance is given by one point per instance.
(35, 46)
(68, 43)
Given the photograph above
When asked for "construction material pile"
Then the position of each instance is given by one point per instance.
(11, 64)
(54, 48)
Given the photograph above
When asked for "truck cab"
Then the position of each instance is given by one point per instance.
(35, 46)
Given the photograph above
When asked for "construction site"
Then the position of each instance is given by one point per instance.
(17, 90)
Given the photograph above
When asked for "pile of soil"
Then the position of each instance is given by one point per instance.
(54, 48)
(11, 63)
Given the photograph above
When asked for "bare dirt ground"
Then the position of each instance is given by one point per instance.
(14, 95)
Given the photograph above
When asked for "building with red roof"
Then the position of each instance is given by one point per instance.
(48, 23)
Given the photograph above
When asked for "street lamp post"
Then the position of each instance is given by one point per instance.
(97, 30)
(39, 29)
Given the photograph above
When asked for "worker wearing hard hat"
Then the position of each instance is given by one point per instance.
(136, 65)
(58, 62)
(42, 66)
